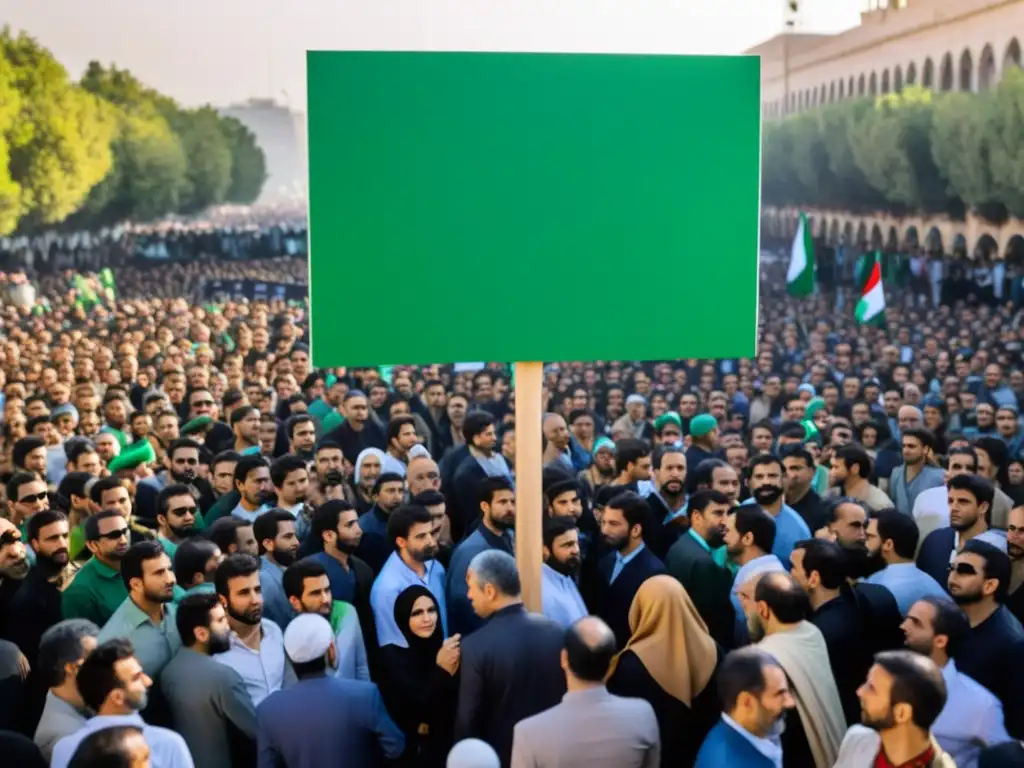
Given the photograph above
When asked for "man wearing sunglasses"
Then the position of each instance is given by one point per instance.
(98, 589)
(181, 467)
(979, 578)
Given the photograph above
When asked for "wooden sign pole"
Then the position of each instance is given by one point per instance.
(529, 380)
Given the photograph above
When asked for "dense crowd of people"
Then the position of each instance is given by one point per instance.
(215, 554)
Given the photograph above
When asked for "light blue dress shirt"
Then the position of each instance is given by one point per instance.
(621, 562)
(167, 748)
(789, 529)
(908, 584)
(971, 720)
(263, 671)
(560, 597)
(393, 578)
(154, 644)
(275, 602)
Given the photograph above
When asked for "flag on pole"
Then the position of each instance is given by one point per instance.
(800, 277)
(870, 309)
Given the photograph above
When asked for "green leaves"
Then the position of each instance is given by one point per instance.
(912, 151)
(109, 148)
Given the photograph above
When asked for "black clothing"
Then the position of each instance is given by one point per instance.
(465, 492)
(659, 535)
(418, 694)
(850, 650)
(33, 610)
(682, 728)
(614, 598)
(20, 750)
(8, 589)
(353, 443)
(1015, 604)
(810, 509)
(709, 586)
(933, 557)
(991, 656)
(510, 670)
(219, 438)
(1008, 755)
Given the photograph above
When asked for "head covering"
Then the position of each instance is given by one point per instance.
(636, 399)
(702, 425)
(665, 418)
(421, 654)
(670, 639)
(814, 405)
(135, 454)
(362, 457)
(307, 638)
(809, 388)
(198, 424)
(473, 753)
(601, 443)
(417, 451)
(64, 410)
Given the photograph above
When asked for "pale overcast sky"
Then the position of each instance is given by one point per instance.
(225, 51)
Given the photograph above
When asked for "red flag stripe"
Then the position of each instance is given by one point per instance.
(873, 279)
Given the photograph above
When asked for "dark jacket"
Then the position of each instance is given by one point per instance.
(850, 651)
(658, 535)
(33, 610)
(415, 702)
(352, 443)
(991, 656)
(615, 598)
(465, 491)
(810, 509)
(461, 617)
(682, 728)
(510, 670)
(933, 557)
(375, 547)
(708, 584)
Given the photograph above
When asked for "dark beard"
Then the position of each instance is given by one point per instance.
(252, 617)
(284, 558)
(219, 643)
(53, 564)
(187, 478)
(610, 472)
(569, 568)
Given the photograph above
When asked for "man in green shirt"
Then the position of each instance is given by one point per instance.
(176, 513)
(98, 590)
(146, 616)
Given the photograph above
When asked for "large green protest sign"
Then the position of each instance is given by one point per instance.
(508, 206)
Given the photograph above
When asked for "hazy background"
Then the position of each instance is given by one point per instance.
(227, 51)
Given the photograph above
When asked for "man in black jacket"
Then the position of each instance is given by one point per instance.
(692, 561)
(482, 461)
(630, 564)
(511, 666)
(358, 431)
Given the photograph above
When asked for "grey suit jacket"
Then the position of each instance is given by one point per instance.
(211, 707)
(606, 730)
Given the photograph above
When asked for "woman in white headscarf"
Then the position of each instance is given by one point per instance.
(369, 464)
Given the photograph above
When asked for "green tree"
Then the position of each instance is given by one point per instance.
(779, 181)
(839, 122)
(248, 164)
(960, 147)
(1004, 136)
(209, 157)
(10, 190)
(57, 144)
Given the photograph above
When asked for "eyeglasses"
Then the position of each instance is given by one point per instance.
(963, 569)
(33, 498)
(184, 511)
(118, 533)
(203, 403)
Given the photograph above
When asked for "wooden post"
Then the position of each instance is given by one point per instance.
(529, 380)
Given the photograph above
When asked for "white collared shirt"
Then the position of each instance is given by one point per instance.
(766, 747)
(262, 671)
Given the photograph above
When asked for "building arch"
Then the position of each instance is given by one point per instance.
(873, 85)
(897, 79)
(885, 81)
(986, 69)
(833, 233)
(861, 238)
(848, 233)
(966, 80)
(911, 73)
(933, 240)
(1014, 252)
(860, 86)
(911, 238)
(832, 91)
(850, 90)
(928, 73)
(960, 244)
(892, 240)
(876, 241)
(1012, 56)
(985, 247)
(946, 74)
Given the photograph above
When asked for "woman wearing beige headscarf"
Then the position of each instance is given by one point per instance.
(670, 661)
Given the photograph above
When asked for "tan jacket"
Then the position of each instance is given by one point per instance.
(860, 747)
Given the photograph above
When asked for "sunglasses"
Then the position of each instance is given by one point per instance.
(963, 569)
(33, 498)
(201, 403)
(119, 533)
(184, 511)
(187, 462)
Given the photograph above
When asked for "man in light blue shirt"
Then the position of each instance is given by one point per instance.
(410, 528)
(972, 718)
(916, 474)
(560, 597)
(277, 538)
(766, 489)
(113, 684)
(892, 539)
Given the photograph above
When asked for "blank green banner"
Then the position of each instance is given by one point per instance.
(493, 206)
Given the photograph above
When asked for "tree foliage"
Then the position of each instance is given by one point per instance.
(109, 148)
(909, 152)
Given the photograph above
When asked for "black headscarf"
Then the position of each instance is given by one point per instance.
(421, 656)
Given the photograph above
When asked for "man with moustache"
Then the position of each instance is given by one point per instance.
(195, 564)
(176, 515)
(698, 561)
(97, 590)
(36, 605)
(182, 467)
(256, 650)
(765, 478)
(209, 704)
(560, 596)
(497, 505)
(1015, 549)
(279, 547)
(146, 617)
(668, 503)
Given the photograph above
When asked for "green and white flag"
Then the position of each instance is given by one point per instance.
(800, 277)
(870, 309)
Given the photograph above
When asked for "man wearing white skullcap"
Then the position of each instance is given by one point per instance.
(473, 753)
(322, 719)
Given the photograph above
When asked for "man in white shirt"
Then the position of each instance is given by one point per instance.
(931, 508)
(972, 717)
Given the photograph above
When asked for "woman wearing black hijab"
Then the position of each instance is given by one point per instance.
(418, 683)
